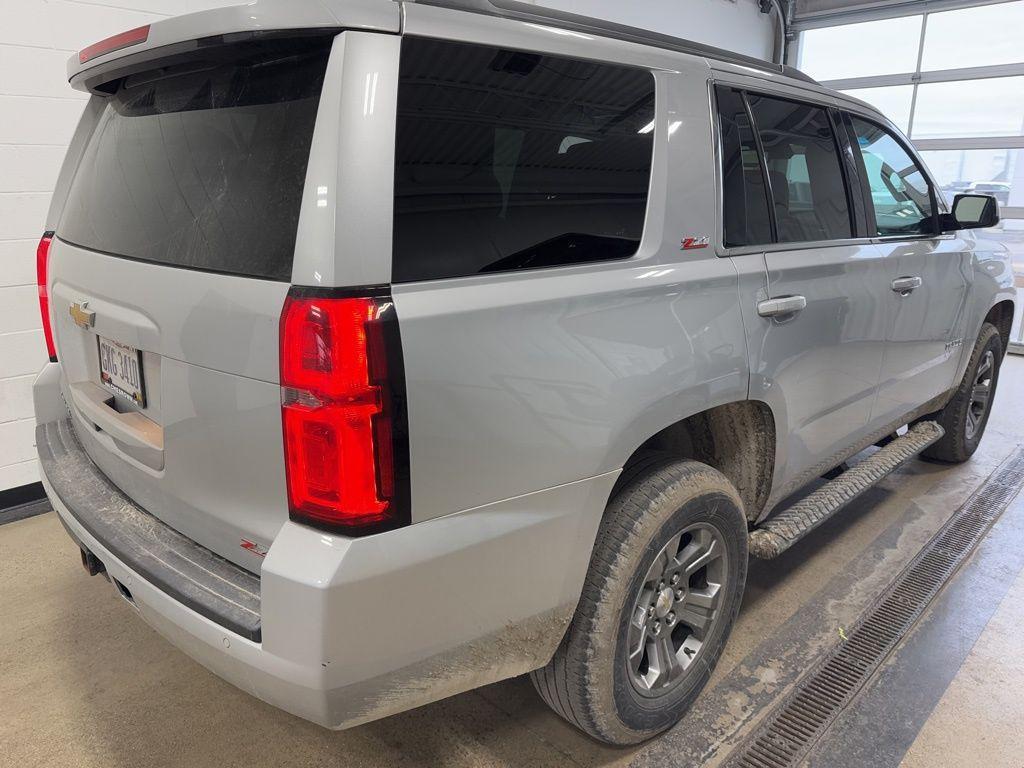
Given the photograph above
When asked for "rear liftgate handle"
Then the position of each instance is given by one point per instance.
(784, 305)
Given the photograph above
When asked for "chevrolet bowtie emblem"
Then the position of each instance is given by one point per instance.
(82, 315)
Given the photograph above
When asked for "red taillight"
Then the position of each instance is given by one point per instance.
(42, 270)
(338, 409)
(114, 43)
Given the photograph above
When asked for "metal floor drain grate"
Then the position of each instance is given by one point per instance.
(789, 733)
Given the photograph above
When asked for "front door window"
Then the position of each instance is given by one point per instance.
(899, 189)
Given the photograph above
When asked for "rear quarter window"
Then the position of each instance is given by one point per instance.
(200, 161)
(508, 160)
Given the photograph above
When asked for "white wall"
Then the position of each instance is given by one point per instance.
(38, 113)
(736, 25)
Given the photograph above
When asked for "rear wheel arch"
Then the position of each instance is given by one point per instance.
(734, 442)
(737, 438)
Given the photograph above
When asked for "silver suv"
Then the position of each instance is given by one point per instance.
(401, 347)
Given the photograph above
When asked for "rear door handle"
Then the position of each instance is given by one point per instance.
(904, 285)
(784, 305)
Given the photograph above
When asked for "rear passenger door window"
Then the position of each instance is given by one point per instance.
(507, 160)
(809, 197)
(900, 193)
(747, 220)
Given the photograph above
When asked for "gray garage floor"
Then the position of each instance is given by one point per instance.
(83, 682)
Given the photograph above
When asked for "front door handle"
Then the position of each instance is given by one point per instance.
(904, 285)
(784, 305)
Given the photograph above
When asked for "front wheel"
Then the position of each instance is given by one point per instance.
(665, 583)
(966, 414)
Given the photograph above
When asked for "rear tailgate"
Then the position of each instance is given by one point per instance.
(169, 268)
(205, 453)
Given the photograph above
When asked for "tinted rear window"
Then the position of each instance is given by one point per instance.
(508, 160)
(201, 163)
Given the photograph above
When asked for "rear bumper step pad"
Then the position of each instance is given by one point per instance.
(779, 532)
(195, 576)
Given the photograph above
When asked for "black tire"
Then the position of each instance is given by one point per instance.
(589, 682)
(961, 441)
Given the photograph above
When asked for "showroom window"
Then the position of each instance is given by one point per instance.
(838, 52)
(508, 160)
(953, 81)
(894, 101)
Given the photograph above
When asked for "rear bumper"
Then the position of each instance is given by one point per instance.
(352, 630)
(231, 656)
(193, 575)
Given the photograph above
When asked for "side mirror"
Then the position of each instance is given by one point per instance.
(974, 212)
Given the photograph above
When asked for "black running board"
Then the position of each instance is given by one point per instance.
(779, 532)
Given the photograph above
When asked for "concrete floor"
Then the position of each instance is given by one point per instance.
(83, 682)
(978, 720)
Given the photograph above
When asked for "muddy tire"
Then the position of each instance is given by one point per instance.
(665, 583)
(966, 414)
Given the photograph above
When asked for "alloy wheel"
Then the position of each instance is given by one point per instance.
(981, 394)
(677, 608)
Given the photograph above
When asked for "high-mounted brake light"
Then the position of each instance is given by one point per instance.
(114, 43)
(342, 408)
(42, 272)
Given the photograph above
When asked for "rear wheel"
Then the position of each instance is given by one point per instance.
(665, 583)
(965, 416)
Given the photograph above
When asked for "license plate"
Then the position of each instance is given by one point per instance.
(121, 369)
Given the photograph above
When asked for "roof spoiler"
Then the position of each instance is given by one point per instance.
(114, 56)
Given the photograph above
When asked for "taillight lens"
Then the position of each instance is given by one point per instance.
(342, 410)
(42, 271)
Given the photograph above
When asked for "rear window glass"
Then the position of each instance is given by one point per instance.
(508, 160)
(201, 163)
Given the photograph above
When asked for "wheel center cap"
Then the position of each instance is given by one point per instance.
(664, 602)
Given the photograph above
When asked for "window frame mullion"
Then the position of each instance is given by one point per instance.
(763, 162)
